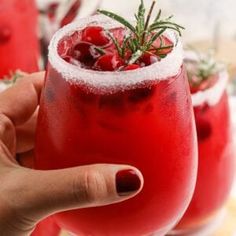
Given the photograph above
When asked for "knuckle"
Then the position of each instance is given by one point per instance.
(5, 124)
(91, 188)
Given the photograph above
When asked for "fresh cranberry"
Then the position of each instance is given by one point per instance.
(148, 59)
(160, 43)
(95, 35)
(5, 34)
(82, 52)
(110, 62)
(132, 67)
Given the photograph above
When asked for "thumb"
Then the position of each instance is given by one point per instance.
(48, 192)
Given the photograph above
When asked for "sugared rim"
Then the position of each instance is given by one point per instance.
(212, 95)
(102, 82)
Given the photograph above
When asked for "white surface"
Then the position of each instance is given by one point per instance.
(109, 82)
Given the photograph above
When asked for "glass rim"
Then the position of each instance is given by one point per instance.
(113, 81)
(212, 95)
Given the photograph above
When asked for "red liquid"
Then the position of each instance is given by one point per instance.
(150, 128)
(19, 46)
(47, 228)
(216, 164)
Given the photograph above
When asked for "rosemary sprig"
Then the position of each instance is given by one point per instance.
(144, 33)
(203, 67)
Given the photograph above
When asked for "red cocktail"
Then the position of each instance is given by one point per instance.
(47, 227)
(97, 109)
(216, 155)
(19, 45)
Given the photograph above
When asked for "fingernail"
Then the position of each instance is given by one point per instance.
(127, 182)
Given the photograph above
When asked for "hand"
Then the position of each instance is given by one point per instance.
(26, 195)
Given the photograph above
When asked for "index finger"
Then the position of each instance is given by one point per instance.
(19, 102)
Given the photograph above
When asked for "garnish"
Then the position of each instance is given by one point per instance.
(143, 35)
(202, 67)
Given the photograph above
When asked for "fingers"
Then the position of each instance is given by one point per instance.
(20, 101)
(46, 192)
(25, 135)
(26, 159)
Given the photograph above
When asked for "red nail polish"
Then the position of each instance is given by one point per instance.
(127, 181)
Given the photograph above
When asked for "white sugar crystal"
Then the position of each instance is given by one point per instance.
(108, 82)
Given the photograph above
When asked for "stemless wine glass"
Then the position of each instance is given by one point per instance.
(19, 45)
(143, 118)
(216, 160)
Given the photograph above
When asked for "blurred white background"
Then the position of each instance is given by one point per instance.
(202, 19)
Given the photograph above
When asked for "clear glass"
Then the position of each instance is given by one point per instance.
(19, 44)
(216, 161)
(47, 227)
(138, 117)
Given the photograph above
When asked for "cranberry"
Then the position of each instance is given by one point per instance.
(5, 34)
(163, 42)
(109, 62)
(204, 129)
(82, 52)
(95, 35)
(132, 67)
(148, 59)
(140, 94)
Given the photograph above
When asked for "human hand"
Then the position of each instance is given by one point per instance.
(26, 195)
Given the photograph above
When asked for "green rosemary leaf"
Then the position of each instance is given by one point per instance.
(165, 47)
(124, 45)
(115, 42)
(165, 23)
(155, 37)
(169, 18)
(168, 27)
(140, 20)
(147, 21)
(100, 50)
(131, 46)
(118, 18)
(158, 16)
(144, 33)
